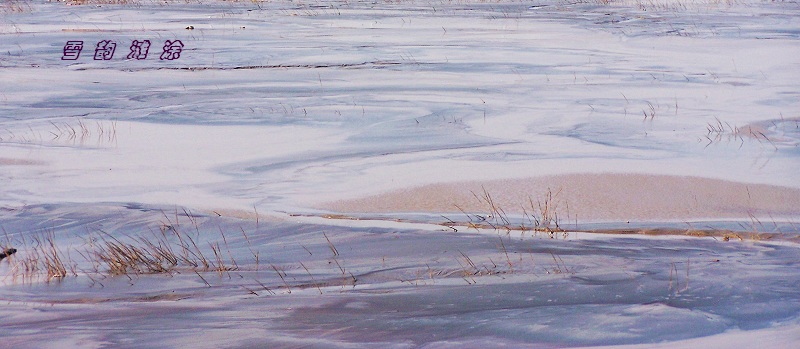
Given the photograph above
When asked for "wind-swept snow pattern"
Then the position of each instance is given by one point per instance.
(393, 174)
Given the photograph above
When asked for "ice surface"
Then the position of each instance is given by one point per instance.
(276, 109)
(396, 287)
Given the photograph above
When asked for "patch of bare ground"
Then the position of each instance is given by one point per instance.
(593, 197)
(19, 162)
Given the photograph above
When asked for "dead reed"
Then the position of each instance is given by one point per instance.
(541, 215)
(80, 132)
(719, 131)
(39, 258)
(165, 251)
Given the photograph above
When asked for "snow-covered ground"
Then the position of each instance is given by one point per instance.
(280, 116)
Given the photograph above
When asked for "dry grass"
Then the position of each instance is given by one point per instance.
(138, 256)
(541, 215)
(471, 269)
(79, 132)
(719, 131)
(674, 278)
(15, 6)
(166, 251)
(40, 258)
(177, 248)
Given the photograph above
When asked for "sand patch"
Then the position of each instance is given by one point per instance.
(594, 197)
(19, 162)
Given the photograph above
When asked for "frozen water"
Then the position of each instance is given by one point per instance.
(276, 108)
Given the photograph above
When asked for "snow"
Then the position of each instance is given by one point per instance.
(280, 117)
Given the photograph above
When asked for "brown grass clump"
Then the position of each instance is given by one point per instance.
(122, 258)
(541, 215)
(40, 257)
(165, 251)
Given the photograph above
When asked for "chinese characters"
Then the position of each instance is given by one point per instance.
(139, 49)
(172, 50)
(104, 50)
(72, 50)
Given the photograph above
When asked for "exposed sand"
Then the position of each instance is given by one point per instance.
(594, 197)
(18, 162)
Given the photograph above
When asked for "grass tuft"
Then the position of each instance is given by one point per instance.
(541, 215)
